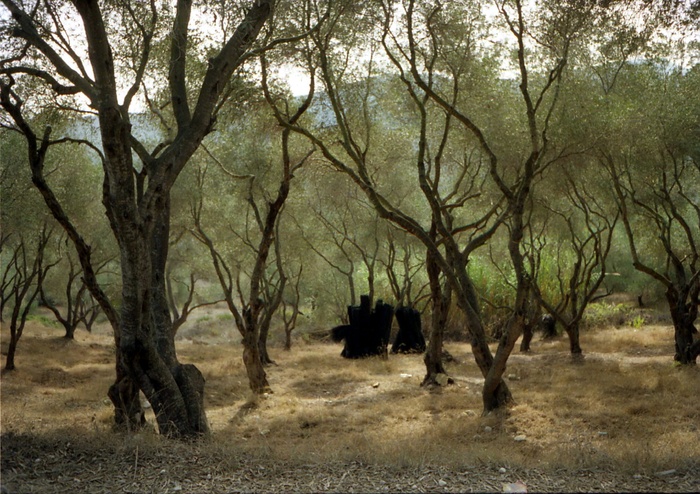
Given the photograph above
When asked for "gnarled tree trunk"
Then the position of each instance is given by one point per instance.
(683, 315)
(572, 330)
(441, 297)
(257, 378)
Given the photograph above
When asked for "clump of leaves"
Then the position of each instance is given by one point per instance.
(603, 314)
(638, 321)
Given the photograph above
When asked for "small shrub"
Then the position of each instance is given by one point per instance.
(605, 314)
(638, 321)
(45, 320)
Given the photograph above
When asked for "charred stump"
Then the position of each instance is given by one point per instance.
(368, 332)
(548, 325)
(410, 337)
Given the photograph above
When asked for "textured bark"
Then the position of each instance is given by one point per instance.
(262, 345)
(257, 378)
(528, 333)
(533, 320)
(441, 297)
(683, 316)
(175, 391)
(128, 413)
(495, 393)
(11, 350)
(572, 330)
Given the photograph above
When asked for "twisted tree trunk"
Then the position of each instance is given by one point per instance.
(441, 297)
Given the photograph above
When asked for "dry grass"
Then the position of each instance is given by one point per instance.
(626, 408)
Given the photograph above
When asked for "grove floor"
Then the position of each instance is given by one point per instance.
(624, 419)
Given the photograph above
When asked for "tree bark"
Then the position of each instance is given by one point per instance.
(175, 391)
(262, 343)
(124, 394)
(572, 330)
(495, 393)
(70, 332)
(441, 297)
(257, 378)
(683, 317)
(528, 333)
(11, 350)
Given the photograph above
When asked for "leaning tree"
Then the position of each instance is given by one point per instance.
(103, 59)
(655, 182)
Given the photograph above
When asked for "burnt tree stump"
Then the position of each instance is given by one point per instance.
(410, 337)
(548, 325)
(368, 332)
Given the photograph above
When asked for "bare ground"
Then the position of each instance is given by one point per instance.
(625, 420)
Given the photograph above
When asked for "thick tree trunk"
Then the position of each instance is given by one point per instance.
(683, 317)
(70, 332)
(124, 394)
(189, 379)
(528, 333)
(572, 330)
(144, 353)
(496, 393)
(434, 368)
(175, 391)
(533, 318)
(257, 378)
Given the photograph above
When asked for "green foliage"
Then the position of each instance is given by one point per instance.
(606, 102)
(494, 284)
(638, 321)
(604, 314)
(49, 321)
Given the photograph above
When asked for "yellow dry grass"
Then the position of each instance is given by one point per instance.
(626, 406)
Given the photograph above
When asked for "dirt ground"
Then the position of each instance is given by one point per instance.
(625, 419)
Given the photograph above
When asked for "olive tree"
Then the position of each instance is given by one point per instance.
(258, 290)
(655, 183)
(580, 228)
(437, 52)
(25, 269)
(101, 61)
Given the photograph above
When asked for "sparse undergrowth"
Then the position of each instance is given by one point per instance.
(624, 419)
